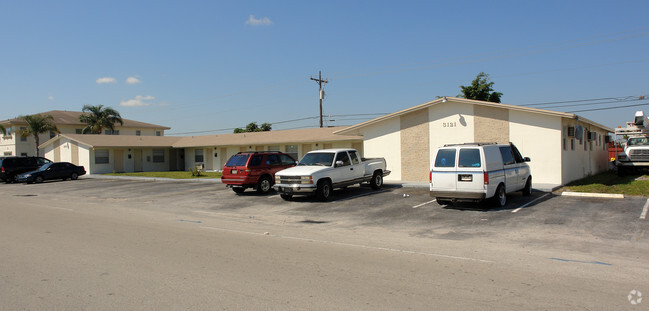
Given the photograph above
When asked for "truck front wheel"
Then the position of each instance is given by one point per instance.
(324, 190)
(377, 181)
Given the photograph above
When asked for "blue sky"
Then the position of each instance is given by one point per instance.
(203, 66)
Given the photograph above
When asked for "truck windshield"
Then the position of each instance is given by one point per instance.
(322, 159)
(638, 141)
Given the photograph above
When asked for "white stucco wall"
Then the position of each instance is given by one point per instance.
(538, 137)
(384, 140)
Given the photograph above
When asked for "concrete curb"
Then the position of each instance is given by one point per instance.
(593, 195)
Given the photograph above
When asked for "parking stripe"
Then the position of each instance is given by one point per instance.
(422, 204)
(644, 210)
(528, 203)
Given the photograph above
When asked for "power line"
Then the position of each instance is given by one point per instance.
(608, 108)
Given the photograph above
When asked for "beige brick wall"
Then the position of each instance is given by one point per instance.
(491, 124)
(415, 150)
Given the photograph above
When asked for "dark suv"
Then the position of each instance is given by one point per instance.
(10, 167)
(255, 170)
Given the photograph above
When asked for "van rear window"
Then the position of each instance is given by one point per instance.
(238, 160)
(445, 158)
(469, 158)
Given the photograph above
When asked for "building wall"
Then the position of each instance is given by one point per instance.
(415, 150)
(383, 140)
(583, 161)
(490, 124)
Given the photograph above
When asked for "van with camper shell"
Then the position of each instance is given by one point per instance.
(478, 171)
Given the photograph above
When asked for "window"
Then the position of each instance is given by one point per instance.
(113, 132)
(23, 137)
(256, 160)
(101, 156)
(78, 131)
(52, 134)
(138, 133)
(237, 160)
(445, 158)
(273, 148)
(8, 132)
(469, 158)
(7, 153)
(291, 150)
(344, 157)
(157, 133)
(198, 155)
(508, 157)
(159, 155)
(517, 155)
(564, 144)
(354, 156)
(286, 160)
(273, 159)
(572, 144)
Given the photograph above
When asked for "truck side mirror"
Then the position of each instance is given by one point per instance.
(526, 159)
(339, 163)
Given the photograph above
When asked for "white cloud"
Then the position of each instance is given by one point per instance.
(105, 80)
(264, 21)
(132, 80)
(138, 101)
(50, 97)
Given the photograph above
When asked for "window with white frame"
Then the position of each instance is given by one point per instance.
(198, 156)
(291, 150)
(158, 155)
(158, 133)
(101, 156)
(273, 148)
(138, 132)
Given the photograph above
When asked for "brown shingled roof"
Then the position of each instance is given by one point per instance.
(72, 118)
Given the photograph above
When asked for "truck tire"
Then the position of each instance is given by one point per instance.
(377, 181)
(323, 191)
(500, 197)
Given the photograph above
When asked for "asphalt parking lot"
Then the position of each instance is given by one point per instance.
(543, 218)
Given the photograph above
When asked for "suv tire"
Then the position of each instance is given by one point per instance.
(264, 185)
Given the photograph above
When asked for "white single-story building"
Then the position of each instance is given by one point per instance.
(562, 146)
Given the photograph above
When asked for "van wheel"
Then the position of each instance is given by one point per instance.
(527, 191)
(443, 202)
(264, 185)
(286, 196)
(324, 190)
(500, 198)
(238, 189)
(377, 181)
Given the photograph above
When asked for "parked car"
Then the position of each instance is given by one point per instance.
(319, 172)
(11, 167)
(478, 171)
(49, 171)
(255, 169)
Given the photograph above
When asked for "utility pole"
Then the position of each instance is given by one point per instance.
(320, 94)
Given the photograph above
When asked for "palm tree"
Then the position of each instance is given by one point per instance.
(98, 118)
(37, 124)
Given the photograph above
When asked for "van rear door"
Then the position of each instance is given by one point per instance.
(443, 173)
(470, 174)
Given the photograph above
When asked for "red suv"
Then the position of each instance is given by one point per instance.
(255, 170)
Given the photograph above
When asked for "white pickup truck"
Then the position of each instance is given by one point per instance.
(321, 171)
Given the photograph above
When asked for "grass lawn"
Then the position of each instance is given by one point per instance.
(174, 175)
(609, 182)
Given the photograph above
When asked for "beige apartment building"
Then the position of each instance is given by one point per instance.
(67, 122)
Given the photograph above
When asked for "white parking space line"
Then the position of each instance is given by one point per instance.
(422, 204)
(644, 210)
(528, 203)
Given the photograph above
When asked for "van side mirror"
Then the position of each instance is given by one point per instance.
(339, 163)
(526, 159)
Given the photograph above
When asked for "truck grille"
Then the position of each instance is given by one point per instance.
(639, 155)
(290, 180)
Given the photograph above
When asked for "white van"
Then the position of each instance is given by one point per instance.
(478, 171)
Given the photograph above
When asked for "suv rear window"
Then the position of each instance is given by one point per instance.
(445, 158)
(469, 158)
(238, 160)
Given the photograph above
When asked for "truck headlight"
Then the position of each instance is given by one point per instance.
(306, 179)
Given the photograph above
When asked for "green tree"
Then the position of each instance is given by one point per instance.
(481, 89)
(38, 124)
(253, 127)
(99, 118)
